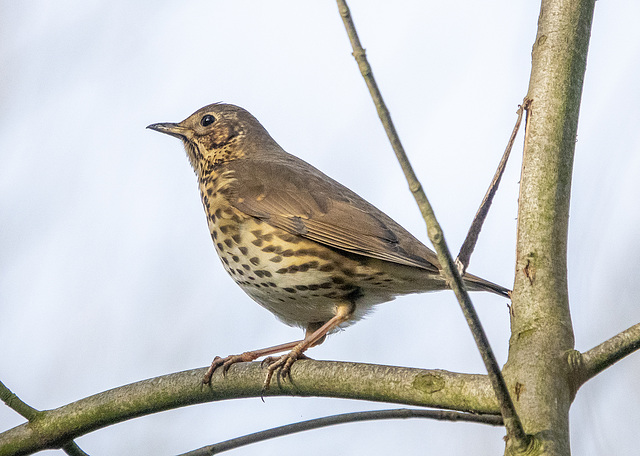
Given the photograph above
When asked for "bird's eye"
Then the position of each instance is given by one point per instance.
(207, 120)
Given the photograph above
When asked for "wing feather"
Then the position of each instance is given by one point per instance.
(290, 194)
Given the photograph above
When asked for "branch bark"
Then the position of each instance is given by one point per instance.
(602, 356)
(16, 404)
(427, 388)
(542, 333)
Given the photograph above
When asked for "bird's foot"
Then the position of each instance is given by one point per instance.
(282, 364)
(226, 363)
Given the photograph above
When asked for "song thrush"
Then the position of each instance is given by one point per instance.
(299, 243)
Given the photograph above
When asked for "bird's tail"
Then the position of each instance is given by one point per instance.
(475, 283)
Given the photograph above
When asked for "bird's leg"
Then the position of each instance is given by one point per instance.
(284, 363)
(245, 357)
(311, 328)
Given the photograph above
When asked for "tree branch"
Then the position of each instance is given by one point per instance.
(494, 420)
(72, 449)
(513, 425)
(474, 231)
(16, 404)
(400, 385)
(542, 332)
(25, 410)
(608, 353)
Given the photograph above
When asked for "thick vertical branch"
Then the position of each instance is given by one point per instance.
(541, 323)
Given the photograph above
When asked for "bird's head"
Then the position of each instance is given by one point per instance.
(218, 133)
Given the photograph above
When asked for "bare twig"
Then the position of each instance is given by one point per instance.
(72, 449)
(513, 424)
(326, 421)
(30, 413)
(16, 404)
(609, 352)
(474, 231)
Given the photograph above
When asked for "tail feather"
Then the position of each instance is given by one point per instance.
(475, 283)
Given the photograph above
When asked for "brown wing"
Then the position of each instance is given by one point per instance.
(290, 194)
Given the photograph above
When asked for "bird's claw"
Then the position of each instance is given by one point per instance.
(225, 363)
(282, 364)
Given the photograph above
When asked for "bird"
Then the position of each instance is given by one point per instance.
(300, 244)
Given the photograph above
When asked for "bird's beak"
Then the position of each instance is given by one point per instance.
(170, 129)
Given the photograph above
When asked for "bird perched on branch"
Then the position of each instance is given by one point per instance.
(302, 245)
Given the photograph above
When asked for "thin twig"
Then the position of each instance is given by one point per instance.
(72, 449)
(610, 352)
(474, 231)
(28, 412)
(16, 404)
(515, 431)
(326, 421)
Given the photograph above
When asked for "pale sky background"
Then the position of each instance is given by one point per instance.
(107, 271)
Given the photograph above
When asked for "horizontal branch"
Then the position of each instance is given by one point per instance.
(400, 385)
(609, 352)
(493, 420)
